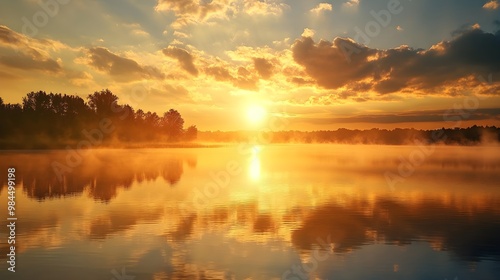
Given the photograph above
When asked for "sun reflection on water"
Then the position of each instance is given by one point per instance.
(254, 168)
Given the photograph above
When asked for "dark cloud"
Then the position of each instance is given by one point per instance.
(8, 36)
(184, 57)
(343, 62)
(415, 116)
(326, 61)
(119, 67)
(244, 78)
(301, 81)
(27, 62)
(219, 73)
(264, 67)
(28, 45)
(26, 53)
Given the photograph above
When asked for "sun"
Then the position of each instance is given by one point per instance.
(256, 114)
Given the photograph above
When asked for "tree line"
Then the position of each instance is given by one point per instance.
(55, 120)
(46, 120)
(474, 135)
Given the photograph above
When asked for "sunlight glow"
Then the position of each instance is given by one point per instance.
(256, 114)
(254, 166)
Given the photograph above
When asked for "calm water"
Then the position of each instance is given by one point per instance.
(270, 212)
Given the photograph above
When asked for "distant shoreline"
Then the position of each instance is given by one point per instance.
(471, 136)
(138, 146)
(64, 146)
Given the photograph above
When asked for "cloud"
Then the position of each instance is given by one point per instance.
(263, 67)
(39, 47)
(350, 6)
(181, 34)
(308, 32)
(195, 11)
(326, 63)
(184, 58)
(28, 62)
(284, 43)
(492, 5)
(351, 3)
(27, 53)
(179, 6)
(256, 7)
(219, 73)
(322, 7)
(120, 68)
(191, 11)
(448, 64)
(172, 93)
(399, 28)
(136, 30)
(140, 33)
(80, 78)
(176, 42)
(243, 78)
(414, 117)
(10, 37)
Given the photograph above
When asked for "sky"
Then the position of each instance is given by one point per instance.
(308, 65)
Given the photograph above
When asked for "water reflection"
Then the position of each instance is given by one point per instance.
(100, 172)
(254, 166)
(471, 234)
(263, 222)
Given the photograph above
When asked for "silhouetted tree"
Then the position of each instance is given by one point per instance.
(173, 124)
(191, 133)
(56, 120)
(37, 102)
(139, 117)
(103, 103)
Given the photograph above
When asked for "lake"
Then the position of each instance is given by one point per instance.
(294, 211)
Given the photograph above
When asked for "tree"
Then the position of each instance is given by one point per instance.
(103, 102)
(150, 128)
(139, 116)
(173, 124)
(39, 102)
(191, 133)
(75, 106)
(126, 122)
(152, 120)
(55, 119)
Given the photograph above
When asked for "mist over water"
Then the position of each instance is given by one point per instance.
(261, 212)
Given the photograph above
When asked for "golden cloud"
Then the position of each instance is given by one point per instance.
(322, 7)
(492, 5)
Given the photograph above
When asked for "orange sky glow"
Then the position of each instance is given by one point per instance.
(242, 64)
